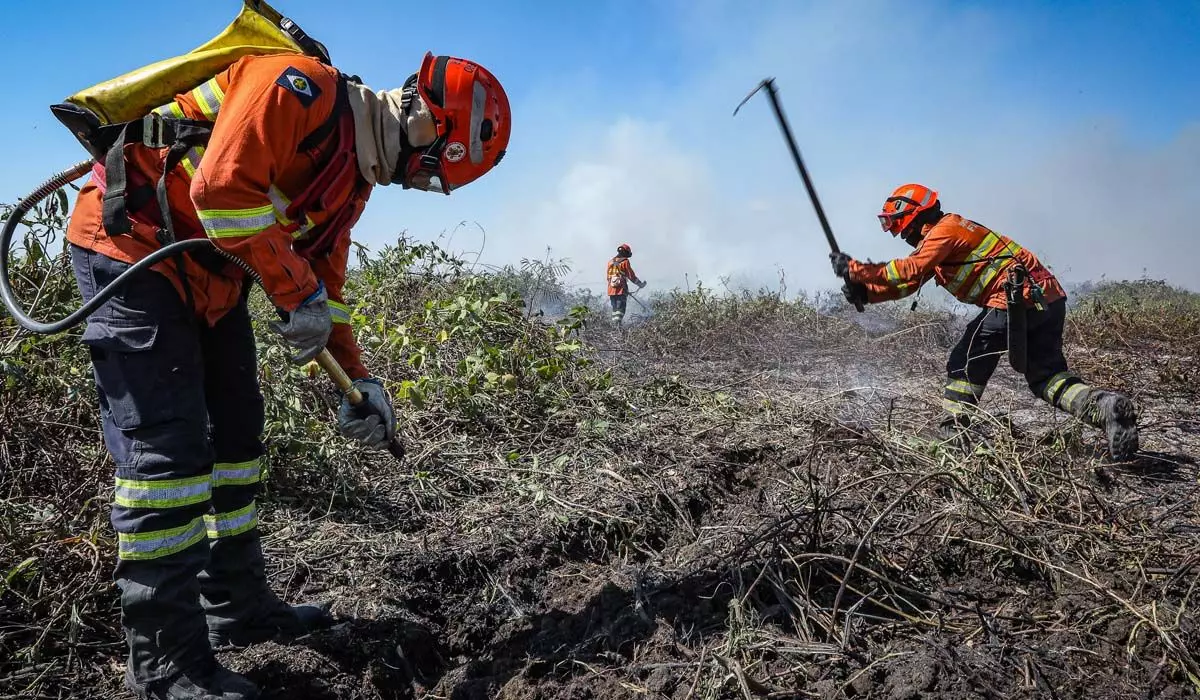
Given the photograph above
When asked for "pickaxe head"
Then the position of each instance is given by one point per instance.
(768, 83)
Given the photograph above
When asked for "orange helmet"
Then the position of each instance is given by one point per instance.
(624, 249)
(473, 120)
(906, 202)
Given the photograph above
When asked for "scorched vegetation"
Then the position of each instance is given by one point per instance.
(737, 498)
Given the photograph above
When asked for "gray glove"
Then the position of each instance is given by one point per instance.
(308, 327)
(371, 422)
(641, 283)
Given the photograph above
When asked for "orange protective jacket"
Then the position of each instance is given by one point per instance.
(966, 258)
(619, 273)
(236, 191)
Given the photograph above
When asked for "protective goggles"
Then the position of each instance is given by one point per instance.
(891, 221)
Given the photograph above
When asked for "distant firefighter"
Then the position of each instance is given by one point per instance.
(620, 273)
(1024, 308)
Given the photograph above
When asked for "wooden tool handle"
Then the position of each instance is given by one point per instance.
(339, 377)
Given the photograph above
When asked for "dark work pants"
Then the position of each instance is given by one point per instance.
(182, 417)
(618, 303)
(978, 352)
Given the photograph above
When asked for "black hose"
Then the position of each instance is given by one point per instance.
(51, 186)
(22, 208)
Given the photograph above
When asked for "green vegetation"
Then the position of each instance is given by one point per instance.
(738, 497)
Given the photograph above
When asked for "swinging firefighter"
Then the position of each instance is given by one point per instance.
(272, 159)
(619, 274)
(1024, 309)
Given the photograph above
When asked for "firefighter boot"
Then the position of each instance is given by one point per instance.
(954, 427)
(958, 430)
(241, 608)
(1113, 413)
(208, 681)
(169, 656)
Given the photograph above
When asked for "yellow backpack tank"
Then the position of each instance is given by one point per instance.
(94, 115)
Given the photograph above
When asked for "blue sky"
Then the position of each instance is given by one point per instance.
(1074, 127)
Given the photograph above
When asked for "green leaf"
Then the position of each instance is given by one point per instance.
(19, 570)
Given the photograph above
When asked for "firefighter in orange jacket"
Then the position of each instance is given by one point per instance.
(974, 263)
(288, 152)
(620, 273)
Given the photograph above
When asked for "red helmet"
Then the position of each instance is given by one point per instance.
(906, 202)
(473, 121)
(624, 249)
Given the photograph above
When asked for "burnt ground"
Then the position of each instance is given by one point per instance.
(772, 519)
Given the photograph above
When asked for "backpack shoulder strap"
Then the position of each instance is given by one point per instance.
(322, 132)
(153, 131)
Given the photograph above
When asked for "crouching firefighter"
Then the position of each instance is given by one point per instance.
(272, 159)
(1024, 308)
(620, 273)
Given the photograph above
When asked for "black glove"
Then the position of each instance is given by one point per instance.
(855, 292)
(841, 263)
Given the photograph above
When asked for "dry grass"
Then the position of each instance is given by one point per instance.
(737, 499)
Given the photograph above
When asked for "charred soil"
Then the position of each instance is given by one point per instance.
(752, 508)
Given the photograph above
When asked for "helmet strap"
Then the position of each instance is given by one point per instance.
(407, 92)
(408, 101)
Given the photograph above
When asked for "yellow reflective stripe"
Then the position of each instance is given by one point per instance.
(167, 493)
(893, 277)
(237, 473)
(191, 160)
(230, 223)
(281, 202)
(1071, 393)
(233, 523)
(961, 386)
(339, 311)
(994, 267)
(955, 407)
(170, 109)
(159, 543)
(964, 270)
(209, 97)
(1054, 384)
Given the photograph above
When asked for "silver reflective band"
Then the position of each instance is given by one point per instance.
(160, 543)
(478, 104)
(172, 493)
(230, 524)
(236, 474)
(228, 223)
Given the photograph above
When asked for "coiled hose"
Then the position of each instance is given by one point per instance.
(23, 207)
(57, 182)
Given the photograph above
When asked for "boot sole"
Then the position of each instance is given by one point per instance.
(141, 694)
(1123, 437)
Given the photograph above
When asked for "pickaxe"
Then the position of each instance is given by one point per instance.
(639, 301)
(772, 93)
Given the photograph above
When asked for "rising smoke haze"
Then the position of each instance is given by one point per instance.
(700, 193)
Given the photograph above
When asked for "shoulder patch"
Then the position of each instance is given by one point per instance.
(299, 85)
